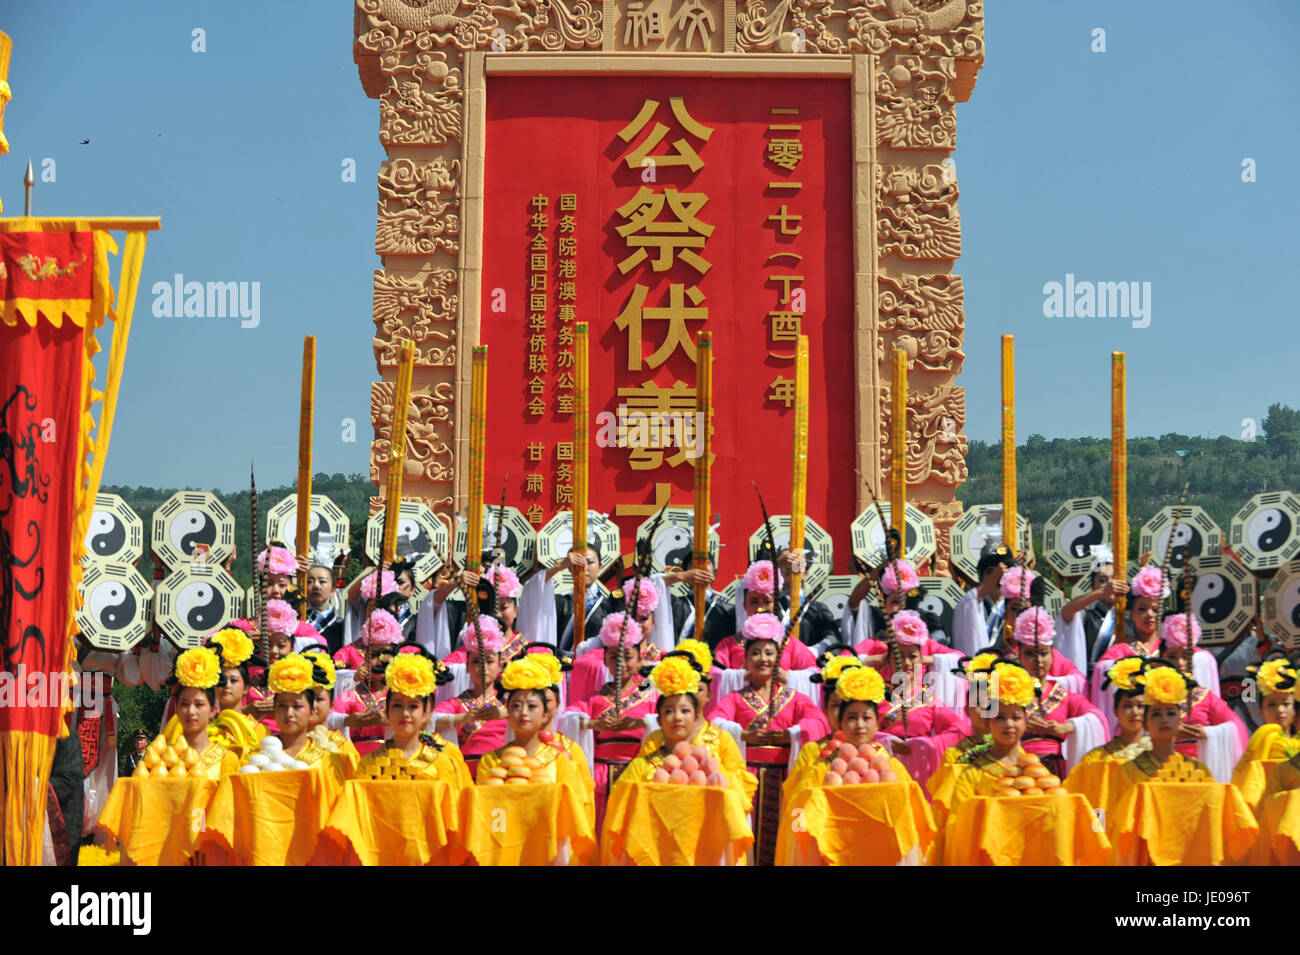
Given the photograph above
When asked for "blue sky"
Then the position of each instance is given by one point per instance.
(1116, 166)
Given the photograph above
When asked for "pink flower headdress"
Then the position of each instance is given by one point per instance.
(1035, 625)
(909, 628)
(890, 578)
(493, 639)
(609, 631)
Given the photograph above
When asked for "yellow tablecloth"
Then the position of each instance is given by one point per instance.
(395, 822)
(527, 825)
(270, 818)
(1095, 781)
(1251, 777)
(663, 824)
(1279, 830)
(1041, 830)
(1181, 824)
(158, 821)
(869, 824)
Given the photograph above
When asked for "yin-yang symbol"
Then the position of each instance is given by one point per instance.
(1288, 603)
(1080, 534)
(1187, 543)
(836, 604)
(1214, 598)
(672, 547)
(289, 529)
(190, 527)
(412, 542)
(878, 538)
(1268, 530)
(112, 604)
(564, 542)
(508, 543)
(106, 535)
(200, 606)
(782, 541)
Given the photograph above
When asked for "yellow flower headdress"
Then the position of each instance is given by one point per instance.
(1276, 676)
(291, 674)
(1123, 674)
(978, 666)
(527, 673)
(411, 674)
(1162, 685)
(700, 651)
(236, 647)
(861, 683)
(835, 667)
(1012, 685)
(322, 660)
(199, 668)
(675, 675)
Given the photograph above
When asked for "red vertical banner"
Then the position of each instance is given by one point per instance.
(655, 208)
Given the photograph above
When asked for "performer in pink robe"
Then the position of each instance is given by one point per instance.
(508, 589)
(901, 587)
(589, 670)
(760, 585)
(771, 730)
(1061, 726)
(480, 723)
(362, 706)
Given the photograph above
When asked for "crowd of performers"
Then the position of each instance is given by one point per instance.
(791, 713)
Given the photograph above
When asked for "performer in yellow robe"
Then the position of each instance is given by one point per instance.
(1098, 770)
(835, 660)
(976, 668)
(1154, 821)
(1275, 741)
(328, 739)
(701, 820)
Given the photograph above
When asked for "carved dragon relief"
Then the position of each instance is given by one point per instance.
(922, 314)
(422, 311)
(428, 428)
(919, 218)
(423, 102)
(944, 514)
(936, 447)
(915, 106)
(419, 207)
(929, 28)
(519, 25)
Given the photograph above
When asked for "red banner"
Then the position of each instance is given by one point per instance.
(654, 208)
(41, 373)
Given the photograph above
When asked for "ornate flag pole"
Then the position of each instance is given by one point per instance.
(1119, 475)
(1009, 442)
(303, 543)
(799, 473)
(396, 459)
(703, 442)
(474, 507)
(898, 452)
(581, 438)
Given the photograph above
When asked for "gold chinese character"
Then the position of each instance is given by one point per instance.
(564, 404)
(537, 343)
(537, 321)
(566, 313)
(663, 491)
(538, 221)
(536, 302)
(565, 381)
(567, 245)
(566, 269)
(565, 338)
(535, 514)
(785, 216)
(642, 212)
(568, 202)
(537, 281)
(536, 385)
(538, 261)
(677, 314)
(684, 155)
(568, 292)
(536, 406)
(564, 473)
(535, 451)
(782, 390)
(565, 358)
(564, 450)
(564, 494)
(646, 417)
(534, 484)
(536, 363)
(538, 244)
(567, 224)
(785, 326)
(539, 202)
(785, 281)
(785, 153)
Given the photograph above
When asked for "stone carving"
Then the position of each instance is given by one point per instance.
(918, 208)
(519, 25)
(922, 314)
(428, 427)
(422, 311)
(926, 27)
(915, 107)
(936, 448)
(422, 105)
(419, 207)
(944, 514)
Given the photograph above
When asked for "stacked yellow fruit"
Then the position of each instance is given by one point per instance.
(161, 759)
(1029, 777)
(1182, 771)
(518, 768)
(391, 764)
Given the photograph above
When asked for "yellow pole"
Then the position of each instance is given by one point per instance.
(581, 426)
(303, 542)
(1009, 442)
(898, 452)
(799, 471)
(477, 446)
(704, 419)
(1119, 475)
(396, 456)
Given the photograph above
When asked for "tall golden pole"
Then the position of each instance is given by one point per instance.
(477, 462)
(581, 438)
(703, 442)
(898, 452)
(303, 542)
(396, 457)
(799, 472)
(1009, 503)
(1119, 476)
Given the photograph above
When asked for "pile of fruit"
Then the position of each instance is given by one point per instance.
(851, 766)
(686, 766)
(390, 764)
(1180, 770)
(1031, 778)
(161, 759)
(518, 768)
(271, 758)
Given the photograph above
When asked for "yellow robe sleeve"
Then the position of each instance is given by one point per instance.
(803, 773)
(1284, 777)
(457, 773)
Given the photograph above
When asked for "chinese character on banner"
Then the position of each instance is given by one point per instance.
(678, 235)
(539, 262)
(683, 155)
(566, 273)
(677, 314)
(785, 151)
